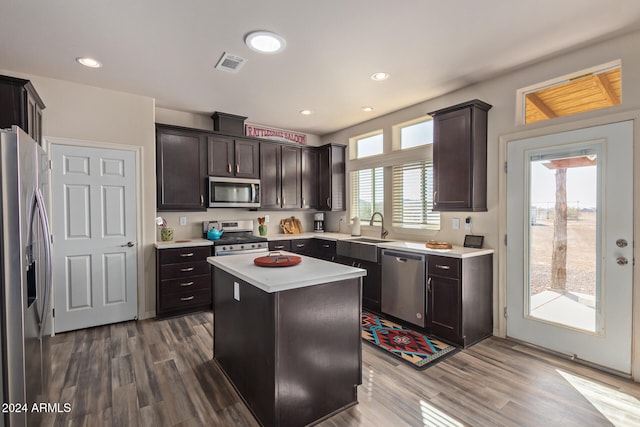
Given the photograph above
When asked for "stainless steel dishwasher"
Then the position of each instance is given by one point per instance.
(404, 286)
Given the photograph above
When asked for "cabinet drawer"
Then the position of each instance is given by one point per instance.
(185, 299)
(186, 269)
(280, 245)
(179, 255)
(186, 284)
(443, 266)
(301, 245)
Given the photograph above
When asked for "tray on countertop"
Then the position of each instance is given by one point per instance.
(277, 260)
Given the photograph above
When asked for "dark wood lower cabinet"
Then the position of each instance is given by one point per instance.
(371, 283)
(460, 296)
(183, 280)
(293, 356)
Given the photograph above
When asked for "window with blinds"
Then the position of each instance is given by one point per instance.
(367, 192)
(413, 196)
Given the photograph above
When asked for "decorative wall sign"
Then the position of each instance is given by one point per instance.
(275, 134)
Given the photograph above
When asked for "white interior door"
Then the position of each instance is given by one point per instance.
(94, 229)
(569, 251)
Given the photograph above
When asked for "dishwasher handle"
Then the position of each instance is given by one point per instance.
(403, 256)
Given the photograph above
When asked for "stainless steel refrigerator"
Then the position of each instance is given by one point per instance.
(25, 272)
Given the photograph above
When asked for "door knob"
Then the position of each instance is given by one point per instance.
(621, 243)
(128, 244)
(622, 260)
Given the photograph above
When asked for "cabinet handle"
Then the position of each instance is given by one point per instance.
(201, 200)
(303, 201)
(277, 200)
(443, 267)
(237, 168)
(353, 264)
(329, 201)
(279, 247)
(300, 245)
(359, 265)
(401, 259)
(284, 201)
(184, 285)
(186, 269)
(187, 298)
(435, 198)
(229, 167)
(326, 246)
(189, 254)
(429, 284)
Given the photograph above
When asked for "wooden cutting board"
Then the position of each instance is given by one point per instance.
(291, 225)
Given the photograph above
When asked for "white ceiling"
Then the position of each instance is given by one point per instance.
(167, 49)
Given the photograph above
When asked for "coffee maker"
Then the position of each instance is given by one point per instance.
(318, 222)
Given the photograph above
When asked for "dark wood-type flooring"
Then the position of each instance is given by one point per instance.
(160, 373)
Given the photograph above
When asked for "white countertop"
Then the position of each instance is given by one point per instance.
(454, 252)
(325, 236)
(309, 272)
(186, 243)
(406, 246)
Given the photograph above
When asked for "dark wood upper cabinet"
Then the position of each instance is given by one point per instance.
(460, 157)
(291, 171)
(21, 105)
(181, 169)
(280, 181)
(331, 175)
(309, 179)
(233, 157)
(270, 160)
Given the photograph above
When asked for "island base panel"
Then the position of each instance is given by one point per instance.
(294, 356)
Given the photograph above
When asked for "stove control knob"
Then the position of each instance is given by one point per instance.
(224, 248)
(241, 246)
(253, 246)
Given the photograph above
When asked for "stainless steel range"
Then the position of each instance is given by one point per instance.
(238, 237)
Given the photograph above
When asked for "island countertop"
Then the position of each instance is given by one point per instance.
(309, 272)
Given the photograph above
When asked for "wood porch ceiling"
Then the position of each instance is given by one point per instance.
(585, 93)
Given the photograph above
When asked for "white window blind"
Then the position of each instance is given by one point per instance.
(367, 192)
(413, 196)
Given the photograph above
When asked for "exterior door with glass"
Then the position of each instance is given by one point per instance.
(570, 248)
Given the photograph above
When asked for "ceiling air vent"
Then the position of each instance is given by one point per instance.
(230, 63)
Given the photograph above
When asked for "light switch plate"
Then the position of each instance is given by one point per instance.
(455, 223)
(183, 220)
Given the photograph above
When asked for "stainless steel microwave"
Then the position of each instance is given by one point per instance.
(234, 192)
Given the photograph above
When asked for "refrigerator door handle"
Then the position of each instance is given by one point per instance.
(46, 236)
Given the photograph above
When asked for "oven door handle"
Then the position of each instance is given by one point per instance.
(243, 251)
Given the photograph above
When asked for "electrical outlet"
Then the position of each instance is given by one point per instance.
(343, 218)
(183, 220)
(467, 223)
(455, 223)
(266, 218)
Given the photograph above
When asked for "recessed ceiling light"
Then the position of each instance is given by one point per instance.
(367, 109)
(305, 112)
(265, 42)
(379, 76)
(89, 62)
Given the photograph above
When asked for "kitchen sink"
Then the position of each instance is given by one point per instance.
(364, 248)
(367, 240)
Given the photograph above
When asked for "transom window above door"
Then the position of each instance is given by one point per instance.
(585, 90)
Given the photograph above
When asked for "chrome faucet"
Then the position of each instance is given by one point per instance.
(383, 231)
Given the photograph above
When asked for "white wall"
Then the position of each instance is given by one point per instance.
(501, 93)
(81, 112)
(205, 122)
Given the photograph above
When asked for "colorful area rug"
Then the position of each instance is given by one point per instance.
(418, 350)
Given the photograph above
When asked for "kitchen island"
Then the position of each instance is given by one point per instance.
(288, 338)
